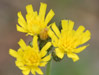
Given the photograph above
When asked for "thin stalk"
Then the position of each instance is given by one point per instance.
(48, 68)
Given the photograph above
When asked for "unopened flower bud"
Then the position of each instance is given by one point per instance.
(44, 34)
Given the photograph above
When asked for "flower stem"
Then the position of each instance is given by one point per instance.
(48, 68)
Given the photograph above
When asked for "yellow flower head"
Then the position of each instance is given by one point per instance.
(35, 22)
(31, 58)
(69, 41)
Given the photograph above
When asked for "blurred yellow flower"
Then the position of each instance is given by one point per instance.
(35, 22)
(69, 41)
(31, 58)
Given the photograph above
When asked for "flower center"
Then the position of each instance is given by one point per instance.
(31, 58)
(35, 25)
(65, 44)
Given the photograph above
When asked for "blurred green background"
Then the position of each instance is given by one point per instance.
(82, 12)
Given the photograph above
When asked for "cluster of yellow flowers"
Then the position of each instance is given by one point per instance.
(67, 41)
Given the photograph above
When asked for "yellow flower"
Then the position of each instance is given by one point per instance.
(69, 41)
(35, 22)
(31, 58)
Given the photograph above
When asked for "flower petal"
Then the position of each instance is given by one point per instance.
(55, 29)
(78, 50)
(21, 20)
(47, 58)
(67, 24)
(42, 11)
(53, 37)
(35, 43)
(85, 36)
(19, 63)
(71, 25)
(49, 16)
(80, 30)
(33, 71)
(43, 64)
(13, 53)
(29, 9)
(20, 29)
(45, 48)
(73, 56)
(64, 24)
(59, 53)
(43, 53)
(22, 44)
(38, 70)
(23, 67)
(26, 72)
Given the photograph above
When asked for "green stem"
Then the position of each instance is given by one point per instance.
(48, 68)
